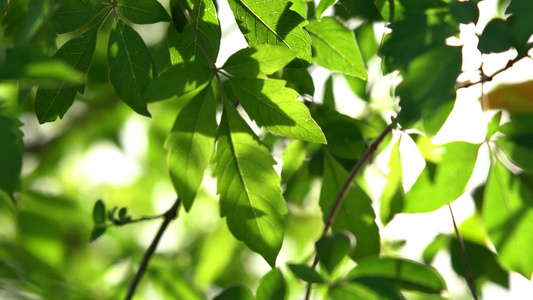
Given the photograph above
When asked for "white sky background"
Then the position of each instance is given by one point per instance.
(106, 163)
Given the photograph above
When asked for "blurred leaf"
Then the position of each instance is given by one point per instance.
(306, 273)
(440, 242)
(443, 181)
(272, 286)
(508, 216)
(428, 88)
(258, 61)
(99, 215)
(366, 40)
(365, 9)
(390, 12)
(293, 158)
(73, 15)
(78, 52)
(130, 66)
(185, 46)
(190, 145)
(96, 233)
(495, 37)
(273, 23)
(515, 98)
(464, 11)
(238, 292)
(332, 248)
(38, 17)
(355, 290)
(273, 106)
(300, 80)
(335, 48)
(322, 6)
(329, 95)
(518, 149)
(393, 193)
(494, 124)
(520, 24)
(250, 196)
(142, 12)
(401, 273)
(355, 214)
(10, 153)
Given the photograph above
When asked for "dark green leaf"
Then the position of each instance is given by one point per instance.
(73, 15)
(344, 137)
(190, 145)
(10, 154)
(130, 66)
(38, 17)
(299, 80)
(306, 273)
(236, 293)
(177, 81)
(335, 48)
(520, 24)
(348, 9)
(78, 52)
(355, 214)
(356, 290)
(464, 11)
(272, 22)
(258, 61)
(518, 148)
(122, 213)
(271, 105)
(99, 213)
(435, 188)
(495, 37)
(186, 45)
(250, 196)
(402, 273)
(272, 286)
(332, 248)
(142, 12)
(508, 216)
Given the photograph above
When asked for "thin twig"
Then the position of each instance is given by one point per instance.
(462, 249)
(168, 216)
(347, 184)
(486, 78)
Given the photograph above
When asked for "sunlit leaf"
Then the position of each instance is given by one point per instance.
(272, 286)
(272, 22)
(190, 145)
(186, 45)
(178, 80)
(508, 217)
(250, 196)
(73, 15)
(322, 6)
(401, 273)
(355, 214)
(335, 48)
(271, 105)
(375, 290)
(78, 52)
(392, 195)
(130, 66)
(10, 154)
(142, 12)
(259, 60)
(306, 273)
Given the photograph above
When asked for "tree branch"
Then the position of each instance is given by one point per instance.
(348, 183)
(168, 216)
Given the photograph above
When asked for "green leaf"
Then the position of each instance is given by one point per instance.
(322, 6)
(355, 214)
(190, 145)
(366, 40)
(238, 292)
(96, 232)
(10, 154)
(343, 134)
(130, 66)
(355, 290)
(250, 196)
(306, 273)
(272, 22)
(99, 213)
(37, 18)
(293, 158)
(73, 15)
(299, 80)
(78, 52)
(520, 24)
(335, 48)
(392, 195)
(186, 45)
(508, 217)
(258, 61)
(494, 124)
(518, 148)
(272, 286)
(142, 12)
(495, 37)
(444, 180)
(332, 248)
(428, 88)
(401, 273)
(271, 105)
(178, 80)
(465, 11)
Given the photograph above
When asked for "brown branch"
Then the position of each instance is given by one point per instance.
(168, 216)
(462, 249)
(348, 183)
(486, 78)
